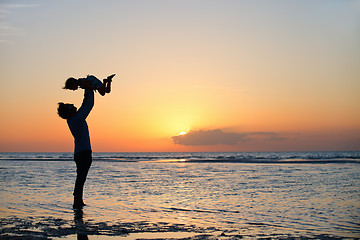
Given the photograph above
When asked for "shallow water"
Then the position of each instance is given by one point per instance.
(253, 200)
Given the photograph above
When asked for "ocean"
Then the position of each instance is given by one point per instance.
(183, 195)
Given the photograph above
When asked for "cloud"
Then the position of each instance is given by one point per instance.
(7, 30)
(219, 137)
(208, 137)
(6, 7)
(266, 135)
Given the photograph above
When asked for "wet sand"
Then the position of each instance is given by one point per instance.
(80, 229)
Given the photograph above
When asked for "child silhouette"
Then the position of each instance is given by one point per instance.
(91, 83)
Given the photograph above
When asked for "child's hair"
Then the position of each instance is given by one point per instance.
(70, 82)
(63, 111)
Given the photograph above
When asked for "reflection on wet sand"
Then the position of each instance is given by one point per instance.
(79, 224)
(151, 231)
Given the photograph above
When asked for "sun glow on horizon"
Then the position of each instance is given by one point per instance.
(221, 79)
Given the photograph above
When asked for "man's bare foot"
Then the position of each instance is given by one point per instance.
(78, 204)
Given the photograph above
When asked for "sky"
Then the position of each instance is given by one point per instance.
(191, 75)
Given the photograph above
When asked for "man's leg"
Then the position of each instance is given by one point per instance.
(83, 162)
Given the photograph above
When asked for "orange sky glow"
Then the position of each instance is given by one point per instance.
(233, 75)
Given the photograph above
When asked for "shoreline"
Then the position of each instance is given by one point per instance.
(46, 228)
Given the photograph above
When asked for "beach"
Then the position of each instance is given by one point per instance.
(182, 196)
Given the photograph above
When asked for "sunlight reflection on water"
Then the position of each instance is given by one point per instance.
(254, 197)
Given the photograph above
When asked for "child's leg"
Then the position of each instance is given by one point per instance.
(108, 87)
(102, 89)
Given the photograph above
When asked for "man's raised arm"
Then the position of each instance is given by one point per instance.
(87, 104)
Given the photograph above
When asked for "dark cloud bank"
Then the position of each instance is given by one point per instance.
(218, 137)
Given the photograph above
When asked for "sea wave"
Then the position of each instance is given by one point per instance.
(199, 157)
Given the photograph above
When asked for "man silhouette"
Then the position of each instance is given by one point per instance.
(76, 120)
